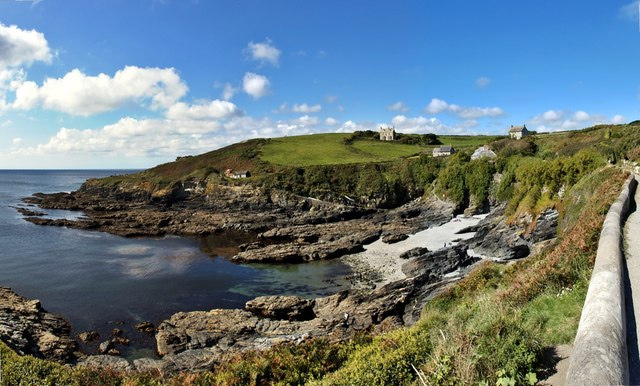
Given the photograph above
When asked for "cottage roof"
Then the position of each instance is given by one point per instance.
(444, 148)
(517, 129)
(239, 172)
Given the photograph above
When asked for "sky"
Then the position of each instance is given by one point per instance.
(131, 84)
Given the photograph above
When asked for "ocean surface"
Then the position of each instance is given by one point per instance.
(99, 281)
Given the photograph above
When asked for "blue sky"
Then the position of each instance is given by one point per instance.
(119, 84)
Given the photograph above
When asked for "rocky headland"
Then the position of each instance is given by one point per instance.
(289, 229)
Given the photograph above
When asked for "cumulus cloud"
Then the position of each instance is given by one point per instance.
(617, 119)
(330, 121)
(305, 108)
(559, 120)
(398, 106)
(214, 109)
(79, 94)
(20, 47)
(265, 52)
(351, 126)
(131, 137)
(581, 116)
(436, 106)
(483, 81)
(17, 141)
(418, 124)
(255, 85)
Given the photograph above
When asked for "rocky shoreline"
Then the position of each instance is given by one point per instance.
(392, 286)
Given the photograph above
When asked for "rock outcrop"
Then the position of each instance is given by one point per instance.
(503, 240)
(29, 329)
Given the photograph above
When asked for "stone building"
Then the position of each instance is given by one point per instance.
(443, 151)
(517, 132)
(387, 134)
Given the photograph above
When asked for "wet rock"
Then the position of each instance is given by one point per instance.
(394, 238)
(116, 332)
(28, 212)
(105, 346)
(282, 307)
(29, 329)
(105, 362)
(114, 352)
(120, 340)
(146, 327)
(88, 336)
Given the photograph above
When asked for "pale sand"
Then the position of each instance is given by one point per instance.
(381, 264)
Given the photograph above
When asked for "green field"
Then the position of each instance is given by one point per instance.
(329, 149)
(464, 141)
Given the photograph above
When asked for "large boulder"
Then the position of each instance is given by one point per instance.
(282, 307)
(29, 329)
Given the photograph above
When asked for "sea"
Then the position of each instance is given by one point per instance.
(98, 281)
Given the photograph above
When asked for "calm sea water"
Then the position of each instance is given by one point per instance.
(99, 281)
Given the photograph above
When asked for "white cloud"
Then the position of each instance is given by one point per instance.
(79, 94)
(552, 115)
(418, 124)
(305, 108)
(437, 106)
(20, 47)
(214, 109)
(228, 92)
(558, 120)
(398, 106)
(483, 81)
(131, 137)
(255, 85)
(475, 112)
(581, 116)
(331, 121)
(351, 126)
(17, 141)
(264, 52)
(306, 120)
(6, 123)
(617, 119)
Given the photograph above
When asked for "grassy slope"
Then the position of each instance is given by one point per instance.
(329, 149)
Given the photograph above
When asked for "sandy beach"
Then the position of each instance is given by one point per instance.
(381, 264)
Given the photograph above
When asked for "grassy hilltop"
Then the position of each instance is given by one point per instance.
(493, 327)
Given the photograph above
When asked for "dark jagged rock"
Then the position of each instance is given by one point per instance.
(28, 212)
(394, 238)
(438, 263)
(546, 226)
(29, 329)
(282, 307)
(502, 240)
(415, 252)
(88, 336)
(146, 327)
